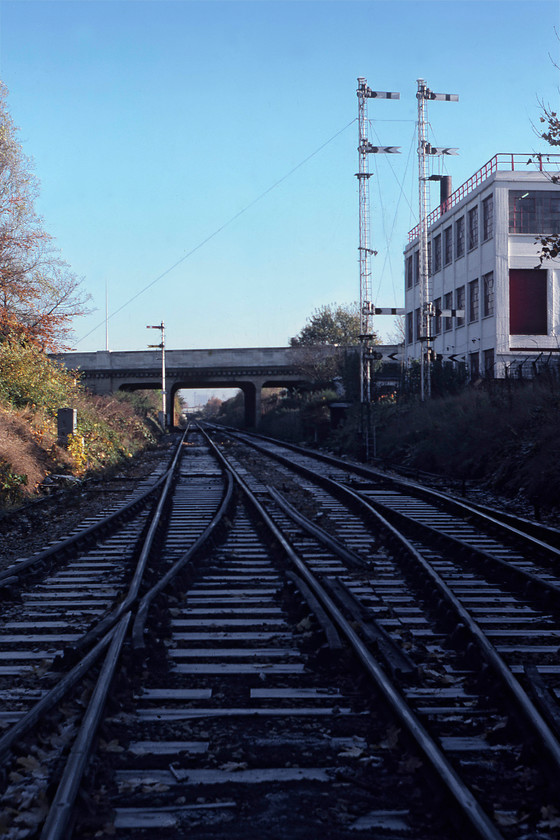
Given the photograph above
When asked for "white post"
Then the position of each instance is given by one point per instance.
(161, 346)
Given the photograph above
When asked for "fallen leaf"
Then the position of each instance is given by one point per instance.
(392, 738)
(234, 766)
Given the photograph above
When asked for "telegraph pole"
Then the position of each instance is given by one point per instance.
(426, 305)
(366, 306)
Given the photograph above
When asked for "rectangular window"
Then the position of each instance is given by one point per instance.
(417, 324)
(409, 328)
(534, 211)
(448, 304)
(437, 253)
(474, 365)
(473, 301)
(416, 267)
(460, 303)
(459, 237)
(488, 294)
(473, 228)
(447, 245)
(409, 279)
(437, 318)
(527, 301)
(488, 218)
(489, 364)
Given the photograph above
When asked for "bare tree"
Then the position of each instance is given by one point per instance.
(550, 122)
(39, 294)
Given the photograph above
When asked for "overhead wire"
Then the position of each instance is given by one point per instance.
(218, 230)
(401, 194)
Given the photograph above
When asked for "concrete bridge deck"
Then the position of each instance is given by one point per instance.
(250, 369)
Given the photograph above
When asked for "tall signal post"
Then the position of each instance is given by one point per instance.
(425, 150)
(367, 308)
(161, 346)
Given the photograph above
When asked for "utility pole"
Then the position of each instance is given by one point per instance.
(426, 305)
(161, 346)
(366, 306)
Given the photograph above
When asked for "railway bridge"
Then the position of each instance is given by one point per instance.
(250, 369)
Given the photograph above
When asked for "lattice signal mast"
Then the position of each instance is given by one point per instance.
(367, 308)
(425, 151)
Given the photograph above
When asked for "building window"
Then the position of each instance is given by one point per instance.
(489, 364)
(417, 324)
(473, 300)
(488, 294)
(448, 304)
(437, 317)
(527, 301)
(416, 266)
(409, 328)
(473, 228)
(460, 303)
(487, 218)
(409, 277)
(459, 237)
(534, 211)
(474, 365)
(437, 253)
(447, 245)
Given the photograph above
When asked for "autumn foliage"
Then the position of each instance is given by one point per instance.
(39, 294)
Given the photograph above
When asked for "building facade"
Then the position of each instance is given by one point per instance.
(483, 261)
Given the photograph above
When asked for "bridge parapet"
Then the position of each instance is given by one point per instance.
(250, 369)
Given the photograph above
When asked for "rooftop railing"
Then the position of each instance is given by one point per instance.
(502, 161)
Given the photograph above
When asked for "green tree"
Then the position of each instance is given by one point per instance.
(328, 347)
(39, 294)
(331, 324)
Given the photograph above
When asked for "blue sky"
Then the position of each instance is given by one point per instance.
(220, 138)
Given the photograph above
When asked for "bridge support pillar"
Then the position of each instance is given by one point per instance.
(252, 395)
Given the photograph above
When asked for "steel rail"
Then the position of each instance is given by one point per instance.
(319, 533)
(87, 536)
(51, 698)
(99, 637)
(464, 798)
(530, 713)
(144, 606)
(526, 576)
(109, 621)
(57, 823)
(486, 516)
(58, 820)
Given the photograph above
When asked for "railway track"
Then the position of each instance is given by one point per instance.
(317, 652)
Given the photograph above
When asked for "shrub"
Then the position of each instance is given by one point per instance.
(32, 389)
(11, 484)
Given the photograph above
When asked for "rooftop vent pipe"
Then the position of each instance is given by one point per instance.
(444, 191)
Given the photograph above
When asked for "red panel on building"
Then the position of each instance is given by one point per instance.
(527, 301)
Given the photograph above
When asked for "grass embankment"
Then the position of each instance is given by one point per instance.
(32, 389)
(505, 435)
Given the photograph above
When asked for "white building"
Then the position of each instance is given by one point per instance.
(483, 258)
